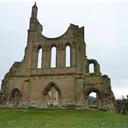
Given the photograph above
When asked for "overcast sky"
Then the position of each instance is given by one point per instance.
(106, 33)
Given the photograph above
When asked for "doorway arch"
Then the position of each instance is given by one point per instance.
(15, 96)
(93, 98)
(53, 94)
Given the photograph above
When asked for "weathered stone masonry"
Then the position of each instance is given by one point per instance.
(27, 85)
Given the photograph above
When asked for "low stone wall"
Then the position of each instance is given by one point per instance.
(122, 106)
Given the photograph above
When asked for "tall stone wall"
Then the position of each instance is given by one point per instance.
(27, 85)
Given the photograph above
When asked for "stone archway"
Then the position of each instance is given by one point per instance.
(93, 102)
(53, 94)
(15, 96)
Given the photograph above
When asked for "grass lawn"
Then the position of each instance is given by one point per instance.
(41, 118)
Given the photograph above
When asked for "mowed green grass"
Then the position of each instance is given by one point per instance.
(41, 118)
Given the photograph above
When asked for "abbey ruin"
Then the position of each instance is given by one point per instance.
(38, 83)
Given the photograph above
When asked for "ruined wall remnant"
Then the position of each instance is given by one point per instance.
(35, 82)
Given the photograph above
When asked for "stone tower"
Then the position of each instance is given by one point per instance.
(31, 84)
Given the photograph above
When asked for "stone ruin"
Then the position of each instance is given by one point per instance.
(36, 82)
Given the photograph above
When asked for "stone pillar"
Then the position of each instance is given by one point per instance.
(63, 57)
(47, 58)
(73, 56)
(59, 56)
(44, 58)
(34, 59)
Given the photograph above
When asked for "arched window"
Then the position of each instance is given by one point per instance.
(68, 56)
(91, 68)
(39, 63)
(53, 57)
